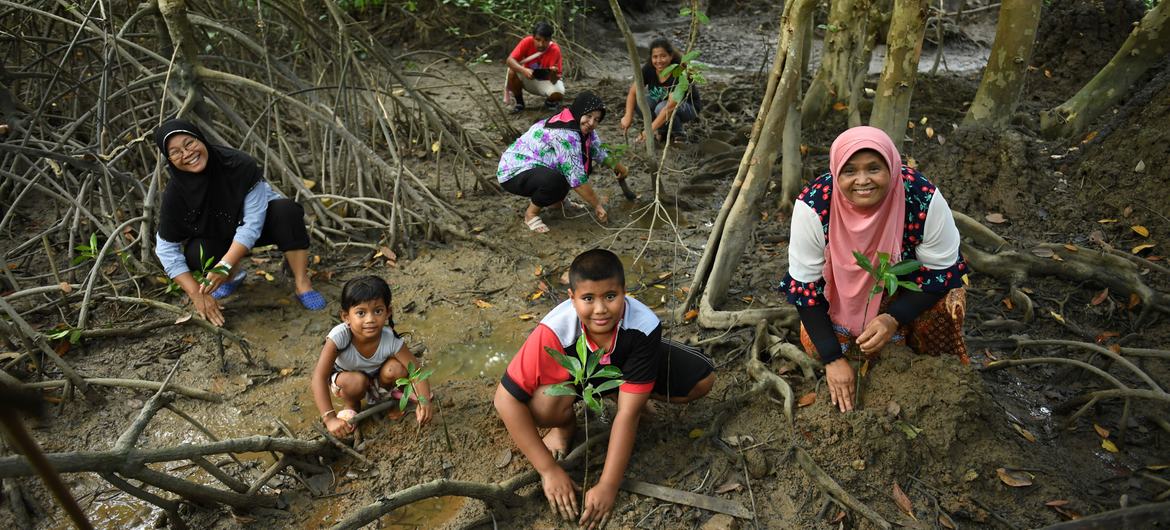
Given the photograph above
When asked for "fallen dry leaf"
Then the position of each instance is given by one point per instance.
(285, 372)
(1101, 431)
(1107, 221)
(1025, 433)
(945, 521)
(690, 315)
(66, 287)
(930, 132)
(1089, 137)
(1142, 247)
(1140, 230)
(1134, 300)
(1101, 296)
(838, 518)
(565, 277)
(539, 270)
(1057, 502)
(1056, 316)
(1043, 252)
(911, 162)
(807, 399)
(1070, 247)
(1108, 445)
(893, 409)
(482, 304)
(839, 106)
(970, 475)
(527, 316)
(730, 485)
(536, 296)
(1013, 478)
(903, 501)
(996, 218)
(183, 318)
(1128, 211)
(695, 433)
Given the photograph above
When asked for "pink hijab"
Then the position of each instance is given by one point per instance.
(878, 229)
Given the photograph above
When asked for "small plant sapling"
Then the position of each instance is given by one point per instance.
(585, 369)
(885, 279)
(408, 384)
(200, 275)
(615, 152)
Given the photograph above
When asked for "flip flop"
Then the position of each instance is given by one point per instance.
(312, 300)
(225, 289)
(536, 224)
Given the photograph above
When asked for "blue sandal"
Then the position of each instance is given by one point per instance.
(225, 289)
(312, 300)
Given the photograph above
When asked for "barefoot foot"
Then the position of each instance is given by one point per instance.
(558, 439)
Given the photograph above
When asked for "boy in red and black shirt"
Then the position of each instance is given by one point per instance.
(631, 335)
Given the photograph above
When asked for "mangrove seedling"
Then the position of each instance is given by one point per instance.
(408, 384)
(885, 278)
(585, 369)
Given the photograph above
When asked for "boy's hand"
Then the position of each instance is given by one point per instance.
(424, 412)
(598, 506)
(338, 427)
(561, 493)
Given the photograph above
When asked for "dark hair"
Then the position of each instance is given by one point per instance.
(364, 289)
(596, 265)
(542, 29)
(665, 44)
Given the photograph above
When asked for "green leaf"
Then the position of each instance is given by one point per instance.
(562, 389)
(905, 267)
(680, 90)
(402, 401)
(669, 69)
(591, 401)
(425, 374)
(402, 381)
(609, 385)
(910, 286)
(690, 56)
(702, 17)
(608, 372)
(582, 354)
(891, 284)
(684, 12)
(593, 361)
(93, 241)
(863, 262)
(569, 363)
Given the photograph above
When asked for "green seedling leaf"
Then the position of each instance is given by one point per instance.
(669, 70)
(59, 334)
(75, 336)
(591, 401)
(863, 262)
(609, 385)
(684, 12)
(909, 430)
(402, 381)
(702, 17)
(910, 286)
(905, 267)
(591, 366)
(690, 56)
(891, 284)
(608, 372)
(563, 389)
(569, 363)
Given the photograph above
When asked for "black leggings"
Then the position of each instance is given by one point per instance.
(284, 226)
(545, 186)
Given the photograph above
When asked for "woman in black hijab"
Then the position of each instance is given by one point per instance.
(555, 155)
(216, 207)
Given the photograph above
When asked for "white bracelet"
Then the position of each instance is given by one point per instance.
(224, 263)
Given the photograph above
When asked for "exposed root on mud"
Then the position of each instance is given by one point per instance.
(835, 491)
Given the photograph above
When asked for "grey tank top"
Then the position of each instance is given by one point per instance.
(350, 360)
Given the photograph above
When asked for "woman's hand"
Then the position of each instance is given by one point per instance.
(877, 334)
(212, 281)
(626, 122)
(621, 170)
(599, 211)
(841, 383)
(337, 426)
(207, 307)
(423, 412)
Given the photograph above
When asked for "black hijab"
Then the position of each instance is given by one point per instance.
(208, 204)
(570, 118)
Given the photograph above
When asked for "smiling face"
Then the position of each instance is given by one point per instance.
(366, 319)
(187, 153)
(599, 305)
(660, 59)
(589, 121)
(864, 179)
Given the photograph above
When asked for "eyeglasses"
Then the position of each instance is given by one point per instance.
(177, 154)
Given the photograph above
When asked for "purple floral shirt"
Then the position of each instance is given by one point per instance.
(558, 149)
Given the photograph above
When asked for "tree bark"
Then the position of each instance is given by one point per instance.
(639, 85)
(1147, 44)
(891, 108)
(743, 215)
(1003, 78)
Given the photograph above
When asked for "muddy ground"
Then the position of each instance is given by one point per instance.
(937, 427)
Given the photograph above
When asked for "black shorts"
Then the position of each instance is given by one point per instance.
(680, 368)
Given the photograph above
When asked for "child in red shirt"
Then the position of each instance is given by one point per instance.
(631, 335)
(535, 66)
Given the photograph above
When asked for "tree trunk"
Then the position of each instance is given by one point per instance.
(791, 158)
(834, 77)
(743, 215)
(891, 108)
(1003, 78)
(1148, 44)
(639, 85)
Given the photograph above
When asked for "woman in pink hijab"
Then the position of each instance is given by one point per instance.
(869, 202)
